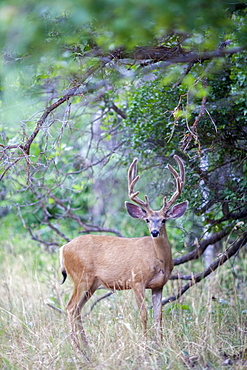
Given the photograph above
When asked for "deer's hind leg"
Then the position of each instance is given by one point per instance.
(81, 294)
(139, 291)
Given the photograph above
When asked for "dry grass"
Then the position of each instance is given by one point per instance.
(199, 332)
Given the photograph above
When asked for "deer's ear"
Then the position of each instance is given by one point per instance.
(135, 211)
(177, 211)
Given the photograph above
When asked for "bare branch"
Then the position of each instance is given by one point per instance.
(11, 165)
(178, 276)
(27, 145)
(102, 159)
(193, 129)
(68, 211)
(119, 111)
(231, 215)
(167, 55)
(87, 228)
(197, 252)
(97, 301)
(189, 66)
(48, 245)
(56, 308)
(232, 250)
(74, 91)
(193, 57)
(59, 232)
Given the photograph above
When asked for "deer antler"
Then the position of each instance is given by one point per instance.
(180, 179)
(132, 180)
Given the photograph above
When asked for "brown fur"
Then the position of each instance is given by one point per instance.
(124, 263)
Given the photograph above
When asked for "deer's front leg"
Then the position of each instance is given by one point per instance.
(157, 309)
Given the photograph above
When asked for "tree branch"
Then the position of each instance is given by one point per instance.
(233, 249)
(74, 91)
(175, 54)
(195, 57)
(87, 228)
(11, 165)
(47, 244)
(197, 252)
(27, 145)
(119, 111)
(231, 215)
(108, 294)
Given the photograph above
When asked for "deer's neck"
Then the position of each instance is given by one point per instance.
(162, 248)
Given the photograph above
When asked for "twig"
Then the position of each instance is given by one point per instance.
(59, 232)
(189, 66)
(119, 111)
(97, 301)
(193, 129)
(40, 240)
(55, 308)
(27, 145)
(11, 165)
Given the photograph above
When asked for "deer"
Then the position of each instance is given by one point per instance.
(119, 263)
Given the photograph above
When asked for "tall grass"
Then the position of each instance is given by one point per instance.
(206, 329)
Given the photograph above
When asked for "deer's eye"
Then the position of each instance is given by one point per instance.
(163, 221)
(147, 220)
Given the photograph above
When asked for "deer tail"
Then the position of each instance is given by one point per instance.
(63, 270)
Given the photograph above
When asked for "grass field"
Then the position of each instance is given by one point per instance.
(206, 329)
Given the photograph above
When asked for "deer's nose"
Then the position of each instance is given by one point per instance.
(155, 233)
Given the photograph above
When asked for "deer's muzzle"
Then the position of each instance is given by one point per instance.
(155, 233)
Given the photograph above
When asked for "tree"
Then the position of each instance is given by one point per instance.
(82, 92)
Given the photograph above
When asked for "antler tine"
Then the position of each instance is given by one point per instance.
(132, 180)
(181, 167)
(180, 179)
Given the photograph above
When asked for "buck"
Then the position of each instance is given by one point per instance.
(124, 263)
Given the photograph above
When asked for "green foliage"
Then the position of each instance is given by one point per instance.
(51, 34)
(46, 26)
(159, 118)
(150, 119)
